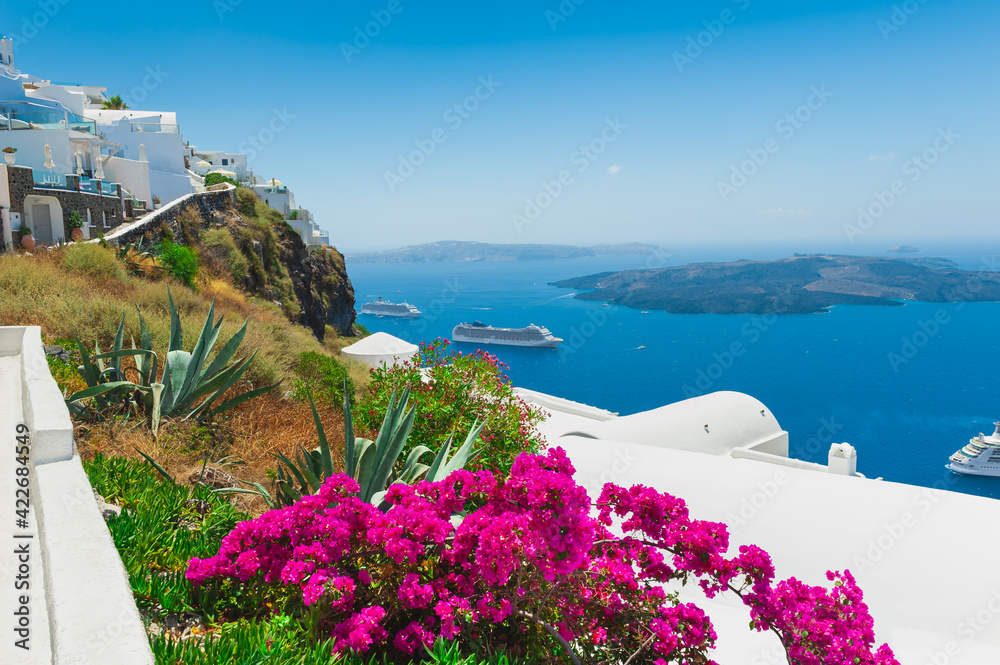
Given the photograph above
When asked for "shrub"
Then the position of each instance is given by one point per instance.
(246, 201)
(531, 560)
(216, 178)
(323, 376)
(93, 260)
(219, 244)
(459, 390)
(180, 261)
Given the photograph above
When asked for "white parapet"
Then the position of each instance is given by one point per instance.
(59, 562)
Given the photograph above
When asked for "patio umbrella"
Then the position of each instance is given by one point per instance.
(142, 152)
(276, 183)
(224, 172)
(202, 164)
(48, 158)
(79, 163)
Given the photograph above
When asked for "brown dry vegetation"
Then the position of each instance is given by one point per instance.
(249, 437)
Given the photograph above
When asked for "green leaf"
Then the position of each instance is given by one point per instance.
(324, 446)
(350, 458)
(176, 335)
(156, 465)
(117, 347)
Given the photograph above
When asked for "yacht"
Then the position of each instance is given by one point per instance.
(385, 308)
(480, 333)
(980, 457)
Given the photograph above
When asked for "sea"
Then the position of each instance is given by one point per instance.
(906, 385)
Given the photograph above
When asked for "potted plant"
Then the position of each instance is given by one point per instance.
(8, 154)
(27, 241)
(75, 222)
(156, 201)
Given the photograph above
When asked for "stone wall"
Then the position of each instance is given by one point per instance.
(149, 227)
(21, 184)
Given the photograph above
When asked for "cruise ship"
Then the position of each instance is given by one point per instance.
(385, 308)
(480, 333)
(981, 457)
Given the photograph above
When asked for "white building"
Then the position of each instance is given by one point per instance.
(142, 150)
(206, 161)
(920, 555)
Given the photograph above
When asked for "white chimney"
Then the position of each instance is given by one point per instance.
(843, 459)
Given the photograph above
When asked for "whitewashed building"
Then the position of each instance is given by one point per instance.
(920, 554)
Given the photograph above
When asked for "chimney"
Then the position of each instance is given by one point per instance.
(843, 459)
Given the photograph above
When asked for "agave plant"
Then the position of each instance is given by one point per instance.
(371, 463)
(189, 385)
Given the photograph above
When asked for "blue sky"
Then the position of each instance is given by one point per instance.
(873, 84)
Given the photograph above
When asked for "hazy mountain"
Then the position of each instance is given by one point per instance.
(458, 250)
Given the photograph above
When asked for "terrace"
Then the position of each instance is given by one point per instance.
(27, 115)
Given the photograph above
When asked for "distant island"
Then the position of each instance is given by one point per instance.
(903, 249)
(448, 251)
(799, 285)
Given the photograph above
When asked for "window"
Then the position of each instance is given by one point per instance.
(225, 162)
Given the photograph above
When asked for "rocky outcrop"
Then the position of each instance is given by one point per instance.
(321, 284)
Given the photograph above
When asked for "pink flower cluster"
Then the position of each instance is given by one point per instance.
(481, 557)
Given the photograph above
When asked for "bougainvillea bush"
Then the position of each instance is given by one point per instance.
(527, 562)
(459, 390)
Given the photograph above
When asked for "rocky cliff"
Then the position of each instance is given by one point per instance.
(322, 287)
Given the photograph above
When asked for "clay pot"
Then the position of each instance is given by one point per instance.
(76, 234)
(28, 243)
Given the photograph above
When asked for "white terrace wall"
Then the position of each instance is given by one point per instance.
(62, 583)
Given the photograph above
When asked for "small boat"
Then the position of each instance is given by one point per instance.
(640, 347)
(644, 312)
(480, 333)
(980, 457)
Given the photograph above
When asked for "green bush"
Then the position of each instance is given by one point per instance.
(324, 377)
(457, 391)
(161, 527)
(216, 178)
(219, 243)
(95, 261)
(180, 261)
(246, 201)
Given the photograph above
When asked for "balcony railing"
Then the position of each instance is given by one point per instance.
(16, 117)
(156, 128)
(109, 189)
(50, 180)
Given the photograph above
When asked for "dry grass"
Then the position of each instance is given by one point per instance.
(78, 291)
(249, 437)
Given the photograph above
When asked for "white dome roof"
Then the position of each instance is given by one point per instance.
(380, 348)
(715, 424)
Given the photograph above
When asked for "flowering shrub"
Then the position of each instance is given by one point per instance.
(529, 567)
(460, 389)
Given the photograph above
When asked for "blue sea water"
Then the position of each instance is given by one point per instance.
(906, 385)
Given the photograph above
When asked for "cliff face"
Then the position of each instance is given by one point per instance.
(321, 285)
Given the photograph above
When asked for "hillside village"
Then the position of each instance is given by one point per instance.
(73, 148)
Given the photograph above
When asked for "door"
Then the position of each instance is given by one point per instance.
(41, 223)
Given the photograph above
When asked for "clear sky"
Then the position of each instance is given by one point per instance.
(729, 121)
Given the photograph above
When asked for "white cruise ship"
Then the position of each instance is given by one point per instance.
(981, 457)
(480, 333)
(385, 308)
